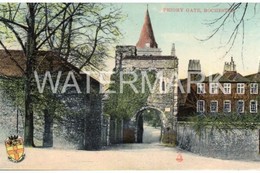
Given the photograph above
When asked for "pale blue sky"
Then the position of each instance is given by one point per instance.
(182, 28)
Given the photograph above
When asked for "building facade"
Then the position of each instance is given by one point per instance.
(225, 93)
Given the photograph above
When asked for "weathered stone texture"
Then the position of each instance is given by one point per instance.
(79, 127)
(8, 119)
(235, 144)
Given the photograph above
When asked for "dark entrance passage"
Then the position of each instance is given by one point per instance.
(148, 128)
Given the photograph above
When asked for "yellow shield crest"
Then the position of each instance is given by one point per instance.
(15, 148)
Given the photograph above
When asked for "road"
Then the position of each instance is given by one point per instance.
(120, 157)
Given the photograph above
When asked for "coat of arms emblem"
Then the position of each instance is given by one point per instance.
(15, 148)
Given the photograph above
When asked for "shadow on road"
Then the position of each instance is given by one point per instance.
(138, 146)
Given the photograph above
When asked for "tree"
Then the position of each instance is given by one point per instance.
(234, 18)
(125, 104)
(152, 117)
(80, 33)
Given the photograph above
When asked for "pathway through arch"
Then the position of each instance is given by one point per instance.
(149, 126)
(151, 134)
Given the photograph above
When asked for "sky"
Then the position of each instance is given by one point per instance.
(184, 24)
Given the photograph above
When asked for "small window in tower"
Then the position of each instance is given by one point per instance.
(163, 86)
(147, 44)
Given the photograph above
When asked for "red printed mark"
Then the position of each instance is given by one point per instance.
(179, 158)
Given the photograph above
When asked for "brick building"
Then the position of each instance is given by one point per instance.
(228, 93)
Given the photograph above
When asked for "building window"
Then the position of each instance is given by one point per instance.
(240, 106)
(253, 106)
(253, 88)
(213, 88)
(147, 44)
(227, 88)
(214, 106)
(227, 106)
(200, 88)
(240, 88)
(163, 86)
(200, 106)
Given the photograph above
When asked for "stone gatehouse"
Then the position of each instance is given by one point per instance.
(146, 56)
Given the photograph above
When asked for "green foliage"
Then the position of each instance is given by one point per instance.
(128, 102)
(81, 33)
(152, 117)
(169, 139)
(225, 122)
(13, 91)
(84, 32)
(48, 101)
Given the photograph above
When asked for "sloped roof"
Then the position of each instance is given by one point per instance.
(146, 35)
(217, 77)
(151, 57)
(233, 76)
(46, 61)
(254, 77)
(230, 76)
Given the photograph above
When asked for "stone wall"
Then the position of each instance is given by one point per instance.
(77, 125)
(235, 144)
(9, 117)
(105, 130)
(116, 131)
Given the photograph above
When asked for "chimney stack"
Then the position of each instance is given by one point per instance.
(194, 69)
(230, 66)
(194, 65)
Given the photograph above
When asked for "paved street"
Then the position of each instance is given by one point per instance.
(120, 157)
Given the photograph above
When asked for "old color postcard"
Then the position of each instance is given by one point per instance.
(129, 86)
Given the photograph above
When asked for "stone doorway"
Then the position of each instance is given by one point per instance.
(149, 126)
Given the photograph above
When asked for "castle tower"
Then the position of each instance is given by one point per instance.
(230, 66)
(146, 44)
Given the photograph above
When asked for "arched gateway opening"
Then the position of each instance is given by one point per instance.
(149, 125)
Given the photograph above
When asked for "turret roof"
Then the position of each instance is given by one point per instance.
(146, 35)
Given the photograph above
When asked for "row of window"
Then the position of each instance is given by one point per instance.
(226, 88)
(227, 106)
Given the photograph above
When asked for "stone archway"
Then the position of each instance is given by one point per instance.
(164, 95)
(138, 120)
